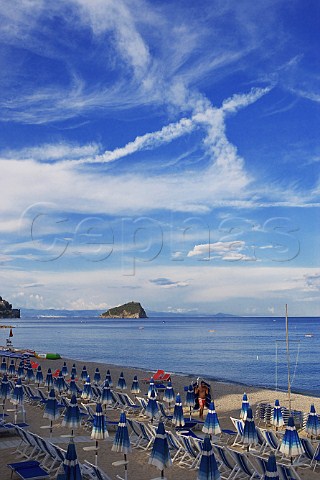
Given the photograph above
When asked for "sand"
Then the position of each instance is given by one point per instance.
(228, 398)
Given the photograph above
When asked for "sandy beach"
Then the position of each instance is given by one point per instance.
(228, 398)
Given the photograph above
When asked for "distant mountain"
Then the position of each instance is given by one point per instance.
(127, 310)
(6, 310)
(153, 313)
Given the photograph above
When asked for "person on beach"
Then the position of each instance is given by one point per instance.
(202, 392)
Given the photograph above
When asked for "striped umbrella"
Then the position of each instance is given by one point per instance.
(106, 397)
(64, 369)
(99, 429)
(74, 370)
(49, 379)
(313, 425)
(51, 409)
(72, 416)
(208, 468)
(121, 442)
(73, 387)
(277, 418)
(17, 397)
(12, 368)
(121, 382)
(70, 464)
(4, 391)
(211, 423)
(250, 436)
(30, 374)
(97, 376)
(190, 398)
(271, 468)
(178, 418)
(244, 407)
(87, 393)
(84, 373)
(168, 395)
(60, 385)
(135, 387)
(152, 388)
(152, 409)
(39, 375)
(291, 444)
(3, 367)
(109, 379)
(160, 455)
(20, 372)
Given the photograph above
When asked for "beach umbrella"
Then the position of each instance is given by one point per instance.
(208, 468)
(211, 424)
(121, 442)
(70, 464)
(178, 418)
(12, 368)
(244, 407)
(313, 425)
(97, 376)
(160, 455)
(74, 370)
(49, 379)
(72, 416)
(64, 369)
(20, 372)
(3, 367)
(109, 379)
(51, 409)
(152, 409)
(87, 393)
(84, 373)
(152, 388)
(121, 382)
(17, 397)
(135, 387)
(250, 436)
(168, 395)
(291, 445)
(4, 391)
(39, 375)
(277, 418)
(29, 373)
(106, 397)
(271, 468)
(190, 398)
(99, 429)
(60, 385)
(73, 387)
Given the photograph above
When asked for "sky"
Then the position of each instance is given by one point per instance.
(165, 152)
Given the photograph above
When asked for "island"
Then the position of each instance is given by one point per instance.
(128, 310)
(6, 310)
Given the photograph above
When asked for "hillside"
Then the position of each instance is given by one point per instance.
(6, 310)
(127, 310)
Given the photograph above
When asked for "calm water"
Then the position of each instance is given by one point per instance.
(246, 350)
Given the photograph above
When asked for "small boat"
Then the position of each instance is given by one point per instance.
(308, 335)
(49, 356)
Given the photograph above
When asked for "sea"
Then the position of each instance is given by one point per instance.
(247, 350)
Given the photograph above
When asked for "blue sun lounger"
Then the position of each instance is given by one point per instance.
(28, 470)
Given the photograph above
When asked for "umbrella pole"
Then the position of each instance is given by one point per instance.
(125, 468)
(190, 414)
(50, 428)
(16, 414)
(96, 454)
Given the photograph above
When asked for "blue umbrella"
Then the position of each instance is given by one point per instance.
(30, 374)
(70, 464)
(12, 368)
(211, 423)
(208, 468)
(17, 397)
(106, 397)
(291, 444)
(250, 436)
(4, 391)
(73, 387)
(109, 379)
(313, 425)
(49, 379)
(64, 369)
(178, 418)
(121, 382)
(84, 373)
(3, 367)
(121, 442)
(20, 372)
(152, 388)
(277, 418)
(271, 468)
(135, 387)
(74, 370)
(97, 376)
(51, 409)
(152, 409)
(39, 375)
(190, 398)
(87, 393)
(99, 430)
(60, 385)
(72, 416)
(168, 395)
(244, 407)
(160, 455)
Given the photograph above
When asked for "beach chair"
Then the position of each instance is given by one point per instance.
(143, 404)
(131, 407)
(147, 436)
(268, 414)
(165, 417)
(93, 471)
(260, 412)
(287, 472)
(238, 424)
(227, 464)
(28, 470)
(244, 465)
(259, 463)
(175, 445)
(191, 453)
(272, 442)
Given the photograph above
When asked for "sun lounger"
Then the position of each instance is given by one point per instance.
(94, 472)
(28, 470)
(159, 377)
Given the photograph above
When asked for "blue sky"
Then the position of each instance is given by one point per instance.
(163, 152)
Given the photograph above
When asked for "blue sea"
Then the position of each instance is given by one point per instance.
(244, 350)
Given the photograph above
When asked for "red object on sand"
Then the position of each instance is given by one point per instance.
(159, 376)
(11, 333)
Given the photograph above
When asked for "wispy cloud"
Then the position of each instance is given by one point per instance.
(167, 283)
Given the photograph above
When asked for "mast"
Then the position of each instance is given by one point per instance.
(288, 359)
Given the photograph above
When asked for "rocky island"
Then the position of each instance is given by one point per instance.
(6, 310)
(128, 310)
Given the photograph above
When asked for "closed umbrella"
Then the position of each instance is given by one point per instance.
(99, 429)
(39, 375)
(208, 468)
(74, 370)
(11, 369)
(51, 409)
(277, 418)
(168, 395)
(152, 388)
(106, 397)
(3, 367)
(72, 416)
(190, 398)
(244, 407)
(291, 444)
(73, 387)
(135, 387)
(178, 418)
(64, 369)
(313, 425)
(121, 442)
(17, 398)
(49, 379)
(30, 374)
(84, 373)
(4, 391)
(211, 423)
(97, 376)
(160, 455)
(87, 390)
(20, 372)
(60, 385)
(152, 409)
(109, 379)
(70, 464)
(271, 468)
(121, 382)
(250, 436)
